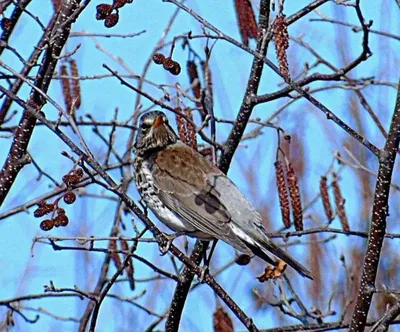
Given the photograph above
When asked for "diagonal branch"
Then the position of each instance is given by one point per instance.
(182, 290)
(380, 211)
(17, 156)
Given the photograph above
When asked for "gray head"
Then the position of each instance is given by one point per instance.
(154, 133)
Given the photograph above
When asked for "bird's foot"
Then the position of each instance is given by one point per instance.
(166, 242)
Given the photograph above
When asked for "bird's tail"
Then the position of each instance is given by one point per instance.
(262, 250)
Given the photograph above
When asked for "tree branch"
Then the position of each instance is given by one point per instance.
(380, 211)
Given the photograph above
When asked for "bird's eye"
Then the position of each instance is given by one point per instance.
(146, 125)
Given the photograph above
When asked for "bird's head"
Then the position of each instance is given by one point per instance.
(154, 133)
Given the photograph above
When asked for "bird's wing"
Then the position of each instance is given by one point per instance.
(181, 177)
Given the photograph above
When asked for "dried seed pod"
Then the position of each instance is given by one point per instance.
(46, 225)
(119, 3)
(43, 209)
(158, 58)
(274, 272)
(323, 189)
(103, 10)
(111, 20)
(222, 321)
(176, 69)
(69, 197)
(339, 202)
(60, 220)
(181, 125)
(246, 20)
(294, 192)
(6, 24)
(168, 64)
(191, 130)
(79, 172)
(281, 38)
(243, 259)
(72, 177)
(75, 84)
(66, 89)
(283, 193)
(39, 212)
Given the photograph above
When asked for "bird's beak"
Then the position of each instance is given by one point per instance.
(158, 122)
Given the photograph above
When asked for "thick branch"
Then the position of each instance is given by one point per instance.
(378, 224)
(182, 290)
(17, 156)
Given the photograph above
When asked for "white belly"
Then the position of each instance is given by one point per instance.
(148, 192)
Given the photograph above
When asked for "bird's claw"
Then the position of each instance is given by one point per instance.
(166, 242)
(204, 271)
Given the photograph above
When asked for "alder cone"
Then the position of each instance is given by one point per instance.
(6, 24)
(69, 197)
(111, 20)
(46, 225)
(176, 69)
(158, 58)
(119, 3)
(168, 64)
(103, 10)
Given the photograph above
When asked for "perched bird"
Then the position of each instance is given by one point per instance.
(192, 196)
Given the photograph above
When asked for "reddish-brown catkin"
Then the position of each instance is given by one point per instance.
(339, 202)
(246, 20)
(323, 189)
(66, 89)
(181, 124)
(119, 4)
(283, 193)
(294, 191)
(191, 130)
(129, 268)
(196, 85)
(75, 83)
(281, 38)
(114, 255)
(222, 321)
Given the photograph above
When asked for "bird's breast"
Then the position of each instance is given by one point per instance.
(149, 193)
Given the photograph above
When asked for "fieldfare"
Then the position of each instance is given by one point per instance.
(192, 196)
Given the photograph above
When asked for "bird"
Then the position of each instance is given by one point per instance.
(192, 196)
